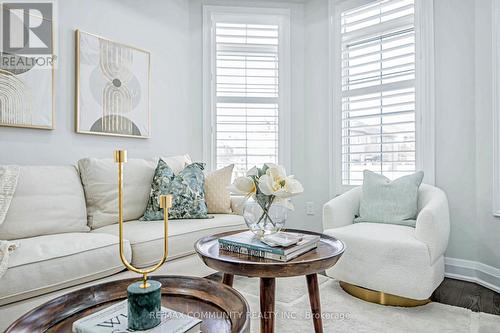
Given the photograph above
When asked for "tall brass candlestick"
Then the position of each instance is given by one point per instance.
(144, 298)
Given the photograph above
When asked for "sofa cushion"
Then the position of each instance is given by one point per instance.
(146, 238)
(384, 257)
(100, 181)
(47, 263)
(48, 200)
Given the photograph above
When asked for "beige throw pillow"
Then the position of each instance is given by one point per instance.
(217, 196)
(100, 182)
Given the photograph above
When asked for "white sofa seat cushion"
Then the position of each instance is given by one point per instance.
(146, 237)
(47, 263)
(48, 200)
(387, 258)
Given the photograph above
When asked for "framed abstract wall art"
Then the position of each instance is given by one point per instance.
(112, 88)
(27, 64)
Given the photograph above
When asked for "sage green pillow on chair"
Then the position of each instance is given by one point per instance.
(386, 201)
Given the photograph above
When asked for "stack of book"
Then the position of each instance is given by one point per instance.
(113, 319)
(270, 248)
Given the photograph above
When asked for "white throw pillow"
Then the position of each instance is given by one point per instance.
(100, 181)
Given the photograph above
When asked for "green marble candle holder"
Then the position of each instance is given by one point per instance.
(144, 305)
(144, 297)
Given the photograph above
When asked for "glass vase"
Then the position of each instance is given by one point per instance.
(264, 222)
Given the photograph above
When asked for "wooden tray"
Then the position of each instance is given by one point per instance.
(221, 308)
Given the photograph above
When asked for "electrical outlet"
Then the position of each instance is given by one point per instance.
(310, 208)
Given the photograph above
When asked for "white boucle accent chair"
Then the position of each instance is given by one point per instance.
(393, 259)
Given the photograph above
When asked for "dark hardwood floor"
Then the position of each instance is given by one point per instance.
(454, 292)
(467, 295)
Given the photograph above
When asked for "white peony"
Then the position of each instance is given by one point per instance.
(293, 186)
(276, 182)
(274, 185)
(243, 185)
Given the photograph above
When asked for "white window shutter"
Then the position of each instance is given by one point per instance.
(378, 90)
(246, 94)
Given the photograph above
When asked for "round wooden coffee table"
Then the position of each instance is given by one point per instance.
(221, 309)
(309, 264)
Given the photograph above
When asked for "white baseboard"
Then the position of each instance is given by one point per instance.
(473, 271)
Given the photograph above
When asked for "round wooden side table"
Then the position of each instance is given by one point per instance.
(309, 264)
(221, 309)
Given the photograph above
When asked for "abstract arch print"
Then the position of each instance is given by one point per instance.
(113, 88)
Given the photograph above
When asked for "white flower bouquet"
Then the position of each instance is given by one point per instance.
(269, 187)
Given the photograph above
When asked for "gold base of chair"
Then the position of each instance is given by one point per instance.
(378, 297)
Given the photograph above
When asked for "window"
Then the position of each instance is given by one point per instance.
(245, 88)
(376, 98)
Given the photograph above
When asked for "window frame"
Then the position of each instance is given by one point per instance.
(281, 16)
(424, 91)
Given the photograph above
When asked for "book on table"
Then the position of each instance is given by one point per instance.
(247, 243)
(113, 319)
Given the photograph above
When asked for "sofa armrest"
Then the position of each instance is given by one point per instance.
(433, 221)
(341, 210)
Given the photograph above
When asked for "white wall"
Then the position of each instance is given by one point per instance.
(455, 120)
(316, 142)
(162, 27)
(464, 151)
(464, 135)
(488, 226)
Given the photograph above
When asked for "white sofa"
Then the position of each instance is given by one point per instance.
(393, 259)
(58, 249)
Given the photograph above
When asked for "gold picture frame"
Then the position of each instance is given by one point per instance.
(78, 86)
(52, 125)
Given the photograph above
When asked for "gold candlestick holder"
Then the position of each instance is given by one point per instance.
(144, 298)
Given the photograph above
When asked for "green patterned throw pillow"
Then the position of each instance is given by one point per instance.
(187, 190)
